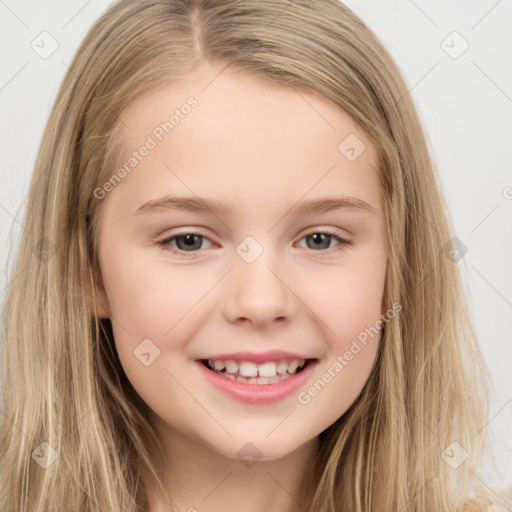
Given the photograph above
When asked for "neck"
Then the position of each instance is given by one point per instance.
(196, 477)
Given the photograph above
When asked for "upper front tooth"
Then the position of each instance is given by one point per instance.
(267, 369)
(248, 369)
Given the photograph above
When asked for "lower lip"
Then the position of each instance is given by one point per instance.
(258, 393)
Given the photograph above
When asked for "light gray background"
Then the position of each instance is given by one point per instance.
(465, 102)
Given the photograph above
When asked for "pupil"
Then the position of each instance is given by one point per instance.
(189, 242)
(321, 239)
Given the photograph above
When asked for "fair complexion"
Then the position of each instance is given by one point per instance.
(261, 149)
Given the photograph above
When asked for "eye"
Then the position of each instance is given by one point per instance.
(185, 242)
(190, 242)
(322, 240)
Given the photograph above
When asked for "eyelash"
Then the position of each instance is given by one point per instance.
(164, 243)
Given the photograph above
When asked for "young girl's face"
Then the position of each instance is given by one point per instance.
(262, 273)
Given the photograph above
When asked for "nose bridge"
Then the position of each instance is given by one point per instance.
(258, 291)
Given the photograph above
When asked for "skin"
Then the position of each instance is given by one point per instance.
(259, 147)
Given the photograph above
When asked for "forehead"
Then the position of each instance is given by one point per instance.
(247, 136)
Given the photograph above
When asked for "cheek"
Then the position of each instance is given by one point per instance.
(149, 300)
(350, 312)
(349, 300)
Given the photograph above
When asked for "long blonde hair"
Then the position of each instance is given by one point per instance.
(66, 401)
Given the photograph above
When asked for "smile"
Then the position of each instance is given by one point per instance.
(268, 372)
(266, 382)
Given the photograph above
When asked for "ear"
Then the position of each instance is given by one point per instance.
(95, 295)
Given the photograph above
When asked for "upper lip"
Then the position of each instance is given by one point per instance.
(258, 358)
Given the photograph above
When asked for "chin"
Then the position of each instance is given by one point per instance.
(249, 450)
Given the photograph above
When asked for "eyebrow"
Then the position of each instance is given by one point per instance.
(202, 204)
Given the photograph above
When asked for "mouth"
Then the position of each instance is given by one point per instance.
(271, 372)
(263, 383)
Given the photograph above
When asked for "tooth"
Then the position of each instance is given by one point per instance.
(293, 366)
(231, 366)
(257, 380)
(282, 367)
(248, 369)
(267, 369)
(218, 365)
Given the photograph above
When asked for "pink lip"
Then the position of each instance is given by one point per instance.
(258, 393)
(271, 355)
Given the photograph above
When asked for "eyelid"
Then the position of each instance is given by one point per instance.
(336, 232)
(164, 241)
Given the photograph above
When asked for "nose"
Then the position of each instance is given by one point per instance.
(260, 294)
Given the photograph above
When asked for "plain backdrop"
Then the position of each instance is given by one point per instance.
(457, 59)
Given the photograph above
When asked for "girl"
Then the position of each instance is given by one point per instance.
(236, 287)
